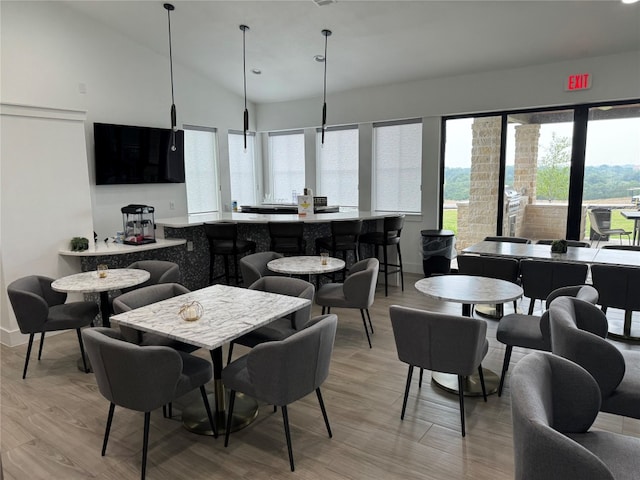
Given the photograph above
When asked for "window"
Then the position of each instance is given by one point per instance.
(397, 158)
(244, 187)
(337, 168)
(286, 159)
(201, 169)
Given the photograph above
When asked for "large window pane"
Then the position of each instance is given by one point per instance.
(286, 160)
(242, 169)
(397, 152)
(201, 169)
(337, 170)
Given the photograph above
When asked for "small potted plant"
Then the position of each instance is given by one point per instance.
(79, 244)
(559, 246)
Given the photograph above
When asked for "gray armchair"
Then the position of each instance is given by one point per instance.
(254, 266)
(143, 378)
(554, 403)
(146, 296)
(39, 309)
(281, 372)
(531, 331)
(441, 343)
(161, 271)
(357, 291)
(578, 331)
(283, 327)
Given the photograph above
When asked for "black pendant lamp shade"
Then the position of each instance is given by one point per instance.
(244, 29)
(327, 34)
(174, 127)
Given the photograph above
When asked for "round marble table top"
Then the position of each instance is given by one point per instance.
(469, 289)
(88, 282)
(306, 265)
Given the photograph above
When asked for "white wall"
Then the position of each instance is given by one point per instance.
(50, 54)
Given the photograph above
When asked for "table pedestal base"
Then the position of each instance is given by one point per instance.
(245, 411)
(472, 387)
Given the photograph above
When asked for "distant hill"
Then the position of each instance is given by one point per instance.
(603, 181)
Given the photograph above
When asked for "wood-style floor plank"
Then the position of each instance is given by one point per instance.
(52, 423)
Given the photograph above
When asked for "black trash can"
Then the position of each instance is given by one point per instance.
(603, 217)
(437, 251)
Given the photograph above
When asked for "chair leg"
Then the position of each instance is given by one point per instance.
(400, 263)
(145, 442)
(41, 345)
(323, 308)
(324, 412)
(369, 318)
(227, 276)
(484, 388)
(232, 401)
(235, 267)
(212, 264)
(287, 433)
(112, 407)
(231, 344)
(420, 380)
(461, 398)
(203, 392)
(84, 359)
(406, 392)
(366, 330)
(505, 367)
(531, 305)
(26, 360)
(386, 270)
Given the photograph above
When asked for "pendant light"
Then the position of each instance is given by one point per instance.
(174, 128)
(327, 34)
(244, 29)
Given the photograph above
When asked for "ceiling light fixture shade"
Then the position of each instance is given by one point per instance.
(174, 127)
(327, 34)
(244, 29)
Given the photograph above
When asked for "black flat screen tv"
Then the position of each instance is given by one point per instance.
(126, 154)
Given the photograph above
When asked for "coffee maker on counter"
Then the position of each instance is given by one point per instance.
(138, 224)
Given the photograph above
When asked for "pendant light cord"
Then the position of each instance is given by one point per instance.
(174, 128)
(170, 55)
(326, 34)
(244, 29)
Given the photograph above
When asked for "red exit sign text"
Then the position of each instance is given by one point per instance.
(580, 81)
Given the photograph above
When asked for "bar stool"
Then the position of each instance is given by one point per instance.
(287, 237)
(390, 235)
(344, 238)
(223, 240)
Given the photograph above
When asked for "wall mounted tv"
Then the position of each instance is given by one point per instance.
(127, 154)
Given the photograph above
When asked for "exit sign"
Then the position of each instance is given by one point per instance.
(580, 81)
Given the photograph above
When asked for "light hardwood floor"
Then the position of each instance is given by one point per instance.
(53, 422)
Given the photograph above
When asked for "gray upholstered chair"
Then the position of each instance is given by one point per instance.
(281, 372)
(540, 277)
(161, 271)
(283, 327)
(39, 309)
(357, 291)
(441, 343)
(254, 266)
(618, 288)
(146, 296)
(531, 331)
(578, 331)
(143, 378)
(554, 403)
(493, 267)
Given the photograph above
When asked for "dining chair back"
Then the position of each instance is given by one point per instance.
(161, 271)
(570, 243)
(440, 343)
(540, 277)
(554, 403)
(254, 266)
(39, 309)
(281, 372)
(357, 291)
(283, 327)
(507, 239)
(143, 378)
(618, 288)
(578, 331)
(146, 296)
